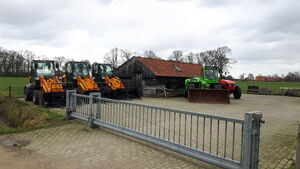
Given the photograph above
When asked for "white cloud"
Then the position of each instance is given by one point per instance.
(264, 36)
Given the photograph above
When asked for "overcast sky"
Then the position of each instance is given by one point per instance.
(264, 35)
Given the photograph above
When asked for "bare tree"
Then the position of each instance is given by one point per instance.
(125, 54)
(112, 57)
(19, 62)
(177, 55)
(218, 57)
(150, 54)
(189, 58)
(242, 76)
(292, 77)
(250, 76)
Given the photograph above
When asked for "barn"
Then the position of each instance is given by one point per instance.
(155, 77)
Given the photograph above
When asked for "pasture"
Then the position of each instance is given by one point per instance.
(275, 86)
(17, 85)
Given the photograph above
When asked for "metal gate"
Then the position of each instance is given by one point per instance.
(221, 141)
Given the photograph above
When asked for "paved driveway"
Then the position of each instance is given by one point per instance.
(74, 146)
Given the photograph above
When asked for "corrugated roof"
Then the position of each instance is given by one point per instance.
(171, 68)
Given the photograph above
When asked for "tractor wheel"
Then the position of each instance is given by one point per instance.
(237, 93)
(27, 95)
(41, 99)
(35, 98)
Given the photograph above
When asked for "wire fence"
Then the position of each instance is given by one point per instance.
(16, 91)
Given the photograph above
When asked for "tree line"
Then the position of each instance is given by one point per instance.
(17, 63)
(217, 57)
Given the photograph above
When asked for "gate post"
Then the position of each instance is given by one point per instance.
(298, 148)
(251, 138)
(70, 103)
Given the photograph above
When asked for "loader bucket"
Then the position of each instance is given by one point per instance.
(213, 96)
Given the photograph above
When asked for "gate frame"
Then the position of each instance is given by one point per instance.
(250, 143)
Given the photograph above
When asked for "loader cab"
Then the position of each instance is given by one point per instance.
(99, 71)
(41, 68)
(211, 74)
(75, 69)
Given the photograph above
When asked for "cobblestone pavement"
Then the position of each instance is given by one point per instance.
(74, 146)
(278, 134)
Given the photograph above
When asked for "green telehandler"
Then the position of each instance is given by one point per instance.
(210, 87)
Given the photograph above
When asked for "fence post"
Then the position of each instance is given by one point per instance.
(98, 102)
(70, 103)
(9, 91)
(251, 138)
(298, 149)
(90, 111)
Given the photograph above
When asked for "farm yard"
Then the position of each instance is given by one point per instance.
(181, 84)
(71, 144)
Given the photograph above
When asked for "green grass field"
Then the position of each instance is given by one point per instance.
(16, 90)
(275, 86)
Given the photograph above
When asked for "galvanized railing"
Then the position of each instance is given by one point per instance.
(222, 141)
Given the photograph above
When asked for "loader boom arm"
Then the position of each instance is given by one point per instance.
(114, 83)
(50, 85)
(87, 84)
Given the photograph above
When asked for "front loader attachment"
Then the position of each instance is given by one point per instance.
(214, 96)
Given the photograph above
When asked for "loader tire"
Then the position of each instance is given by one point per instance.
(26, 97)
(41, 99)
(35, 98)
(237, 93)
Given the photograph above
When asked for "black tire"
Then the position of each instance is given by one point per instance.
(237, 93)
(35, 98)
(26, 97)
(41, 99)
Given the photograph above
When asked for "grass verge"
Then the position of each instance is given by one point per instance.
(18, 115)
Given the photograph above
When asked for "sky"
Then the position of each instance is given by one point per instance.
(264, 35)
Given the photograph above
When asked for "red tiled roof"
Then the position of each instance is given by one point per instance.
(171, 68)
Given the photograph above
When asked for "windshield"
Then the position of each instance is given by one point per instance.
(212, 74)
(103, 70)
(44, 69)
(106, 70)
(81, 69)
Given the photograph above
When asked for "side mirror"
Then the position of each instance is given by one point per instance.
(89, 66)
(57, 66)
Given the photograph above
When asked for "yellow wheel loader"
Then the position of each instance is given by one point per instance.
(77, 76)
(111, 86)
(44, 87)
